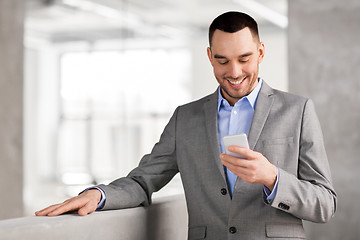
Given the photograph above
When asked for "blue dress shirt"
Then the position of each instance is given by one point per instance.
(235, 120)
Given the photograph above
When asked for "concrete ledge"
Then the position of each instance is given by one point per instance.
(165, 219)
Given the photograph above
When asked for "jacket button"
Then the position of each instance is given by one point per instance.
(232, 230)
(283, 206)
(223, 191)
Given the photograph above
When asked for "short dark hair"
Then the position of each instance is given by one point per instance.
(231, 22)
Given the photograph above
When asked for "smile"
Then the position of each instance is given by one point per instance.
(238, 82)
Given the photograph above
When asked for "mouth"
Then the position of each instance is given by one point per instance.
(236, 83)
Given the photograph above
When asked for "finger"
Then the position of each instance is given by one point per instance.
(67, 206)
(47, 210)
(242, 173)
(238, 170)
(248, 153)
(233, 161)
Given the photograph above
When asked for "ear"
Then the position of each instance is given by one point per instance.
(261, 50)
(210, 56)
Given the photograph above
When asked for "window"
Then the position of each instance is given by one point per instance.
(113, 108)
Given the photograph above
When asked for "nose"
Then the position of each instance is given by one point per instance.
(235, 70)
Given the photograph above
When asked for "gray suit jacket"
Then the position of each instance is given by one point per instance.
(285, 129)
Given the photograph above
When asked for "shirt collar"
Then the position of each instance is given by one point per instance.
(252, 97)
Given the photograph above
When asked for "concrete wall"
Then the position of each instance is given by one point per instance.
(11, 87)
(165, 219)
(324, 60)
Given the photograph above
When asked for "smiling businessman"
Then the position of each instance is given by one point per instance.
(285, 176)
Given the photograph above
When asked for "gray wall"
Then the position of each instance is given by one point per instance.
(324, 64)
(11, 86)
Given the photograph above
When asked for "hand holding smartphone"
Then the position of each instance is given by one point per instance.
(235, 140)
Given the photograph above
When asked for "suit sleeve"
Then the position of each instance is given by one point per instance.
(310, 195)
(155, 170)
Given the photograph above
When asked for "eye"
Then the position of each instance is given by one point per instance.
(243, 60)
(223, 62)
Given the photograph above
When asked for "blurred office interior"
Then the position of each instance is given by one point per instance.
(103, 77)
(99, 80)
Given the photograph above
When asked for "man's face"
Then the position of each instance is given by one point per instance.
(235, 58)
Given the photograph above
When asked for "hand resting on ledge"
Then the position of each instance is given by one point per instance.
(85, 203)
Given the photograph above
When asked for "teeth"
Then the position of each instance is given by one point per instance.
(237, 82)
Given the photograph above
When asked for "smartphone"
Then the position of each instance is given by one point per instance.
(235, 140)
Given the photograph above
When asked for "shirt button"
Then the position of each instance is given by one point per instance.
(232, 230)
(223, 191)
(235, 112)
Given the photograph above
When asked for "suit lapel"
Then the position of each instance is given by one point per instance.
(262, 110)
(210, 111)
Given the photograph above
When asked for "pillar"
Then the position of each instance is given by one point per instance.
(11, 89)
(324, 60)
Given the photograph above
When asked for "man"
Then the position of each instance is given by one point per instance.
(285, 177)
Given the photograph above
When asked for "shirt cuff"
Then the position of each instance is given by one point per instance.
(101, 204)
(270, 195)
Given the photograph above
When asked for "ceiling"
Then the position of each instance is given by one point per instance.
(59, 21)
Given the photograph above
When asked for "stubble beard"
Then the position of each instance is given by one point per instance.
(242, 94)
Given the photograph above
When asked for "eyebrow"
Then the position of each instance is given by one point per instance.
(241, 56)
